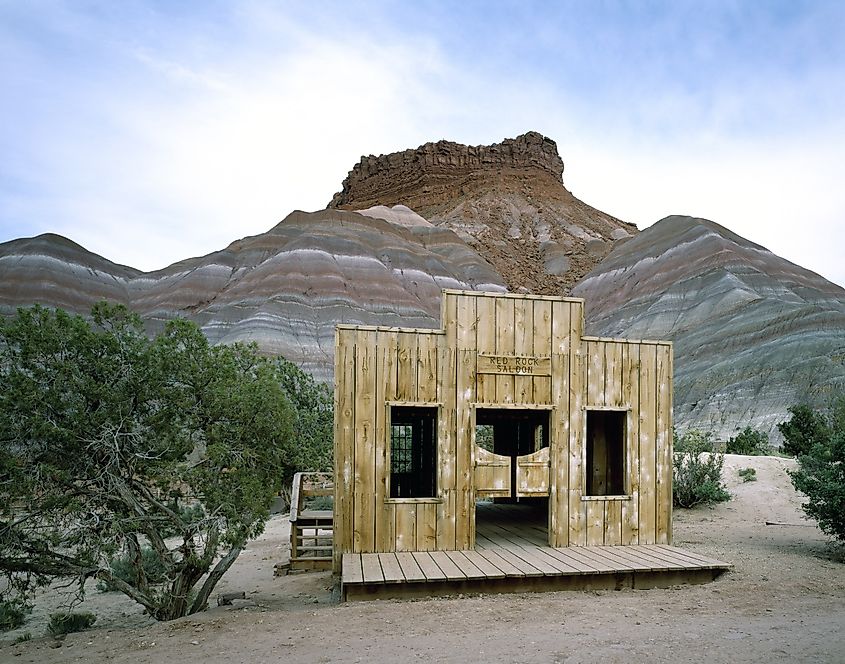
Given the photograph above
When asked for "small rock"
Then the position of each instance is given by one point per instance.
(225, 599)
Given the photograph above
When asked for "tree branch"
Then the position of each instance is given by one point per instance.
(126, 589)
(214, 576)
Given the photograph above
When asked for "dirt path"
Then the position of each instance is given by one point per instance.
(784, 602)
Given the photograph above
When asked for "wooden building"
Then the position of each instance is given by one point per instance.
(511, 403)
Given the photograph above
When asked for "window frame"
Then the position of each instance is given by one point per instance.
(388, 443)
(626, 451)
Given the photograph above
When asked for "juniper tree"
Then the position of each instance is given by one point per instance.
(106, 435)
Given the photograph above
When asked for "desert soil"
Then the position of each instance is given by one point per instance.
(783, 602)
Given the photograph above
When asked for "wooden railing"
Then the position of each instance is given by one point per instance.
(311, 530)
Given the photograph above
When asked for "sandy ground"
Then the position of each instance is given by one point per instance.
(784, 602)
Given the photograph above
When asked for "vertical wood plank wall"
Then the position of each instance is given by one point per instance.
(376, 367)
(634, 377)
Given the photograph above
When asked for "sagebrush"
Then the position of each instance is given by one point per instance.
(70, 622)
(697, 470)
(12, 614)
(747, 474)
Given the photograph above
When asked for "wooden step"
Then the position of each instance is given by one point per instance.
(312, 531)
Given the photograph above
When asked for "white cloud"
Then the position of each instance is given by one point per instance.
(195, 158)
(160, 138)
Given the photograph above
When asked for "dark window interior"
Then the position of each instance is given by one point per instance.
(413, 445)
(605, 453)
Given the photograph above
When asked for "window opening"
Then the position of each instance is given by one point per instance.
(413, 445)
(606, 453)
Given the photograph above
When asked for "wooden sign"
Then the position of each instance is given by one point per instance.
(515, 365)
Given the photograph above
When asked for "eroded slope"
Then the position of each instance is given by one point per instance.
(753, 332)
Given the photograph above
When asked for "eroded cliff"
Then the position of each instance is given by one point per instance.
(506, 200)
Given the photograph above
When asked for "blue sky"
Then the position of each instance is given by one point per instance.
(153, 131)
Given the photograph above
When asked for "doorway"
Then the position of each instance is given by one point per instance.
(515, 434)
(515, 447)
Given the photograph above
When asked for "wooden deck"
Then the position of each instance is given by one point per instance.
(511, 556)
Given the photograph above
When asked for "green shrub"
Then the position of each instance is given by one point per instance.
(749, 441)
(319, 503)
(69, 622)
(12, 614)
(748, 474)
(697, 471)
(821, 477)
(124, 569)
(100, 427)
(693, 441)
(26, 636)
(803, 429)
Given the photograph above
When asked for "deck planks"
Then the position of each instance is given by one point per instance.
(694, 557)
(371, 566)
(466, 566)
(410, 569)
(352, 569)
(510, 554)
(447, 566)
(428, 566)
(390, 568)
(488, 568)
(514, 561)
(495, 559)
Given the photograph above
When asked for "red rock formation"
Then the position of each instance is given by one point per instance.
(506, 200)
(424, 177)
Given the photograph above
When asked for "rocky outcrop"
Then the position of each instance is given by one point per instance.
(425, 176)
(753, 333)
(506, 200)
(285, 289)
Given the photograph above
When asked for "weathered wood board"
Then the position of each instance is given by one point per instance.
(509, 353)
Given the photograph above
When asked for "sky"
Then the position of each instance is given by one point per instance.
(149, 132)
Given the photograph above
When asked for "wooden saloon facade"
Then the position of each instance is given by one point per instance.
(508, 402)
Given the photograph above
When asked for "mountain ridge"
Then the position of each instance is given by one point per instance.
(753, 332)
(284, 289)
